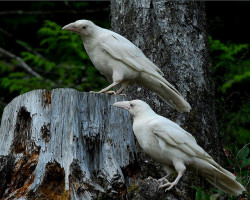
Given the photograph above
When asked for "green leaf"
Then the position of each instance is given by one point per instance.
(243, 153)
(214, 197)
(236, 79)
(204, 196)
(198, 195)
(246, 161)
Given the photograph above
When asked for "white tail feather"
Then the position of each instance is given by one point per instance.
(223, 180)
(165, 90)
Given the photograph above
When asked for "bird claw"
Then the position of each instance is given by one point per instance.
(177, 190)
(113, 92)
(168, 186)
(110, 92)
(122, 95)
(164, 179)
(150, 178)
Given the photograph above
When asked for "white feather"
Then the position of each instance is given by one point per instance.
(175, 148)
(121, 61)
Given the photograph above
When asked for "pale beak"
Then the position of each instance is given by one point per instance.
(72, 27)
(122, 104)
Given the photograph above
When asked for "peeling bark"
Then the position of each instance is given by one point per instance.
(173, 35)
(65, 144)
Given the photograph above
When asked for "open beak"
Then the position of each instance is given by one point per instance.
(72, 27)
(122, 104)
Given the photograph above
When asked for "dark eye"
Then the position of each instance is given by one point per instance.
(131, 105)
(83, 27)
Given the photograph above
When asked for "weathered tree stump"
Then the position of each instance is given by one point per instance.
(65, 144)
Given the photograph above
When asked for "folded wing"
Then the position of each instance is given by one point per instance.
(172, 134)
(122, 49)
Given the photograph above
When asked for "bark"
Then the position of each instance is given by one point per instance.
(65, 144)
(173, 35)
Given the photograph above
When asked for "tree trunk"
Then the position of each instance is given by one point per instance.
(64, 144)
(173, 35)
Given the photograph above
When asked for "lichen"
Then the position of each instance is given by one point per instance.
(134, 188)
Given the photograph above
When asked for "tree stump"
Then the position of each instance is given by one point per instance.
(65, 144)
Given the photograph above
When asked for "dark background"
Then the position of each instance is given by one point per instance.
(228, 21)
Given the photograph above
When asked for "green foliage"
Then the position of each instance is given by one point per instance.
(228, 61)
(57, 56)
(201, 195)
(231, 68)
(62, 44)
(231, 73)
(242, 75)
(60, 60)
(204, 194)
(226, 52)
(240, 164)
(17, 81)
(242, 155)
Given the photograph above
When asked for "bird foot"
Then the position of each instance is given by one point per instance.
(168, 186)
(150, 178)
(122, 95)
(177, 190)
(108, 92)
(163, 180)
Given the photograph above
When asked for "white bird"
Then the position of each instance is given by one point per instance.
(120, 61)
(169, 144)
